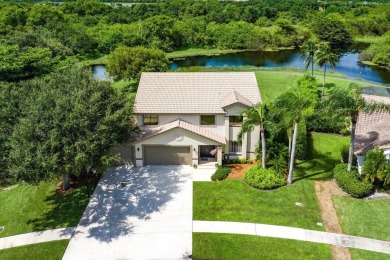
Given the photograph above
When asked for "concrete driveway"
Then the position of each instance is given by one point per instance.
(137, 213)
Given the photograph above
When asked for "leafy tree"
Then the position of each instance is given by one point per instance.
(161, 32)
(69, 122)
(16, 64)
(129, 63)
(331, 29)
(41, 15)
(309, 50)
(255, 116)
(324, 55)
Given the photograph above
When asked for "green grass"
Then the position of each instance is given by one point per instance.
(366, 218)
(28, 208)
(50, 250)
(228, 246)
(274, 83)
(324, 155)
(233, 200)
(191, 52)
(359, 254)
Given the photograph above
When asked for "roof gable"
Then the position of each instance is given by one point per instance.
(194, 92)
(234, 98)
(201, 131)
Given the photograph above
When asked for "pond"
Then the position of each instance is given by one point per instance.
(348, 64)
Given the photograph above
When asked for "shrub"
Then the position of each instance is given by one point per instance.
(239, 161)
(264, 179)
(301, 146)
(345, 154)
(350, 182)
(221, 173)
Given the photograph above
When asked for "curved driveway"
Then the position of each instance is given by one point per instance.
(137, 213)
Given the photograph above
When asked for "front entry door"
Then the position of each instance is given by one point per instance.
(205, 151)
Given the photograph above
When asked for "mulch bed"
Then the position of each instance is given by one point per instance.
(238, 170)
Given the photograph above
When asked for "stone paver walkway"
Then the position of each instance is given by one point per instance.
(36, 237)
(291, 233)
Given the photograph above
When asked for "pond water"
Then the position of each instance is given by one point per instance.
(99, 72)
(348, 64)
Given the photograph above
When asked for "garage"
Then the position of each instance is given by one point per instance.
(125, 153)
(167, 155)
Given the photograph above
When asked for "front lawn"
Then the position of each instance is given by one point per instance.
(228, 246)
(28, 208)
(366, 218)
(233, 200)
(324, 155)
(359, 254)
(50, 250)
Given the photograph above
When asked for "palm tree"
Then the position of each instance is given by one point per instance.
(348, 101)
(292, 106)
(255, 116)
(324, 55)
(309, 50)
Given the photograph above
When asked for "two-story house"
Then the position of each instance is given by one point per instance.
(193, 118)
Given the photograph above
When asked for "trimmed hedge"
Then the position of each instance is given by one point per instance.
(264, 179)
(350, 182)
(239, 161)
(221, 173)
(345, 154)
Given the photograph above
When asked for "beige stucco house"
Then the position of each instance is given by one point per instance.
(372, 130)
(193, 118)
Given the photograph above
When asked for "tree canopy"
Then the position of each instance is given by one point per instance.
(129, 63)
(66, 123)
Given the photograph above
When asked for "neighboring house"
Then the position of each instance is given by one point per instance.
(193, 118)
(372, 130)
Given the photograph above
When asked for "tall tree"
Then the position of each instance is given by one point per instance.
(129, 63)
(70, 122)
(309, 50)
(292, 106)
(324, 55)
(254, 116)
(348, 101)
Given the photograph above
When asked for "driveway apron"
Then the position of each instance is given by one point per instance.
(137, 213)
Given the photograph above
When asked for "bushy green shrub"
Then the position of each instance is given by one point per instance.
(264, 179)
(221, 173)
(301, 146)
(345, 154)
(239, 161)
(350, 182)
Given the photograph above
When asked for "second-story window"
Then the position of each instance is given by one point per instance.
(235, 120)
(207, 119)
(150, 120)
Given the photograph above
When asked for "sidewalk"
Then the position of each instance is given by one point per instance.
(291, 233)
(36, 237)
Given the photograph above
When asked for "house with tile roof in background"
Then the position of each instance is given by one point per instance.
(372, 130)
(192, 118)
